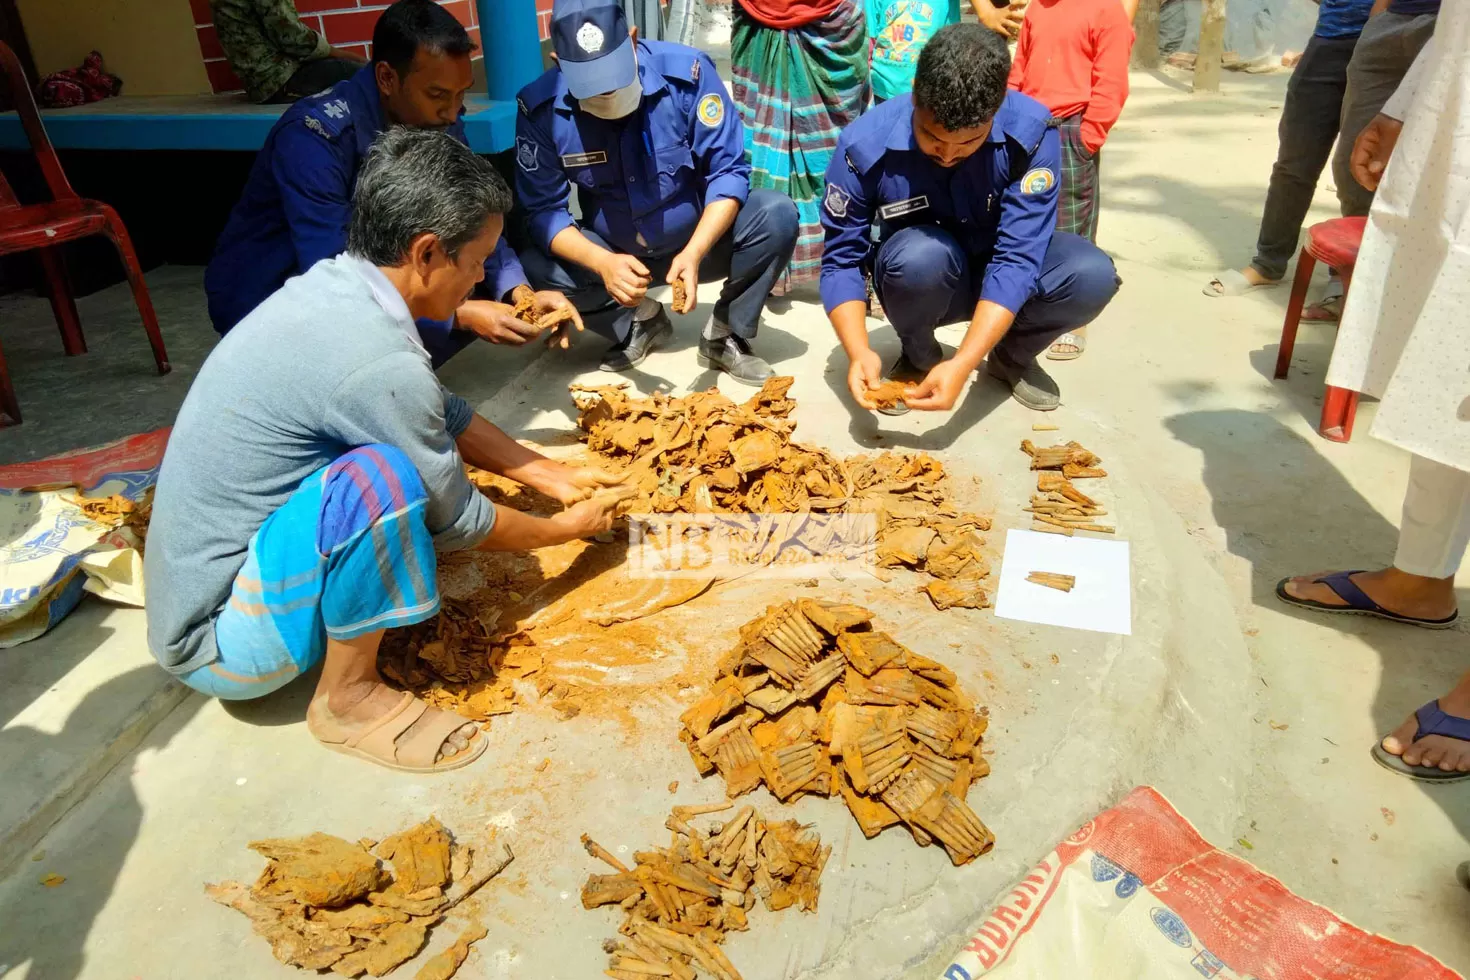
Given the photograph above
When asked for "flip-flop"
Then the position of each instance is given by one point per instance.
(379, 742)
(1052, 354)
(1328, 309)
(1432, 721)
(1358, 603)
(1232, 282)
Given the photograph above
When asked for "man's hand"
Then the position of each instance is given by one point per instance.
(1005, 21)
(941, 388)
(863, 372)
(494, 322)
(593, 515)
(549, 301)
(571, 484)
(685, 268)
(625, 278)
(1372, 149)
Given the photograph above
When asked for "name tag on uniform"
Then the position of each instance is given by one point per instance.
(583, 159)
(900, 208)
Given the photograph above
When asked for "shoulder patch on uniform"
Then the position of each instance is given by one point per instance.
(837, 201)
(315, 125)
(712, 110)
(694, 71)
(336, 108)
(521, 105)
(526, 152)
(1038, 181)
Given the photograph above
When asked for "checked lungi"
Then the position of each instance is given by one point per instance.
(797, 89)
(1077, 204)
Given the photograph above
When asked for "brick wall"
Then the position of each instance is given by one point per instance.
(346, 23)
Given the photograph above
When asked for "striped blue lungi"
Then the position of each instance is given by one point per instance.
(347, 554)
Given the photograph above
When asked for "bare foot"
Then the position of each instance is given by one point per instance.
(1448, 754)
(1398, 592)
(351, 709)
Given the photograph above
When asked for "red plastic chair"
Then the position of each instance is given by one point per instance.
(44, 227)
(1336, 243)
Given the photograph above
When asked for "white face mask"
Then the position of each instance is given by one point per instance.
(619, 102)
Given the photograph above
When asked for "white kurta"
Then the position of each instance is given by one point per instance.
(1405, 333)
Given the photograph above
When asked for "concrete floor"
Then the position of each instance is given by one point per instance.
(1253, 719)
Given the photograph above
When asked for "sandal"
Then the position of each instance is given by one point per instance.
(1358, 603)
(379, 741)
(1078, 345)
(1432, 721)
(1233, 282)
(1328, 309)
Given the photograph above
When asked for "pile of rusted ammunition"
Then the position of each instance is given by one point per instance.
(323, 902)
(525, 311)
(682, 900)
(813, 700)
(1058, 507)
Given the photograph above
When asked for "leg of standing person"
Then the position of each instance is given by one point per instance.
(1173, 21)
(1308, 127)
(1077, 213)
(1387, 47)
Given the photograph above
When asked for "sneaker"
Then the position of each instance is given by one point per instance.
(732, 355)
(646, 337)
(903, 370)
(1031, 385)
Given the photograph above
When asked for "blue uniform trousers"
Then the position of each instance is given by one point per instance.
(749, 257)
(925, 280)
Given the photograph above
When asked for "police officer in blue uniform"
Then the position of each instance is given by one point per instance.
(961, 183)
(298, 200)
(647, 134)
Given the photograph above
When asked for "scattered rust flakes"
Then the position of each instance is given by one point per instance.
(680, 299)
(1388, 815)
(543, 765)
(889, 394)
(525, 311)
(965, 593)
(52, 880)
(813, 700)
(324, 903)
(680, 902)
(443, 965)
(1055, 659)
(1280, 726)
(674, 786)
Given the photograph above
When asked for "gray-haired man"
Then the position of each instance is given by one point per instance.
(317, 465)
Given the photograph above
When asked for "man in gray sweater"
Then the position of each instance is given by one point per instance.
(317, 465)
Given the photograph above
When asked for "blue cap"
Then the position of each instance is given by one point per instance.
(592, 45)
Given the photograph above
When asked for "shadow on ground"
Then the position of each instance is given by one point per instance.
(48, 930)
(1253, 466)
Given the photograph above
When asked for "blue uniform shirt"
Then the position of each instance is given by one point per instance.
(643, 180)
(1000, 203)
(296, 205)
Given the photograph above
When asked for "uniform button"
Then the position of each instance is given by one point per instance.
(632, 180)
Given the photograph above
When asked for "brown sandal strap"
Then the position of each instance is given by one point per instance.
(378, 738)
(421, 749)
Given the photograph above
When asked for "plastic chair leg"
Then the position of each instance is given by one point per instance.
(9, 404)
(118, 233)
(1305, 264)
(62, 304)
(1339, 408)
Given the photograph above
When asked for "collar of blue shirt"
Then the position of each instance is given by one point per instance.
(901, 136)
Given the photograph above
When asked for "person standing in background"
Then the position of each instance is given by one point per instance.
(801, 75)
(1309, 125)
(1072, 57)
(1403, 337)
(278, 58)
(899, 29)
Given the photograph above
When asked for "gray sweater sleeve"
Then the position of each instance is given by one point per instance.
(396, 400)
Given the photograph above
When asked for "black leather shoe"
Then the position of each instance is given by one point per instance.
(646, 337)
(903, 370)
(1031, 385)
(732, 355)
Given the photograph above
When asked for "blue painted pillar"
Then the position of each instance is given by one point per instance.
(512, 45)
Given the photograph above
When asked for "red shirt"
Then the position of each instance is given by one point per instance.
(1072, 56)
(786, 14)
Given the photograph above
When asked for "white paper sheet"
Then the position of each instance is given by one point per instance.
(1102, 599)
